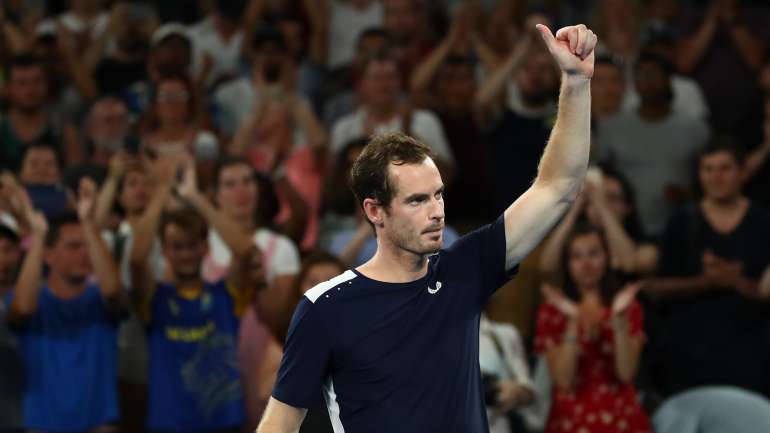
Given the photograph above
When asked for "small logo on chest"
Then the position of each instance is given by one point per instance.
(434, 291)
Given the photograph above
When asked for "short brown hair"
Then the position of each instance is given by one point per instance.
(369, 176)
(186, 219)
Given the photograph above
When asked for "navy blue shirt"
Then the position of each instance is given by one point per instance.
(397, 357)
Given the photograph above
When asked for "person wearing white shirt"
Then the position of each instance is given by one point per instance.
(382, 111)
(502, 357)
(347, 19)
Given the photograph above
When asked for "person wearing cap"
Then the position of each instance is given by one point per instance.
(172, 51)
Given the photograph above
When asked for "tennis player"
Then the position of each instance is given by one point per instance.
(394, 343)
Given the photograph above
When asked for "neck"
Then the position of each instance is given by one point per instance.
(173, 127)
(64, 288)
(653, 112)
(185, 282)
(27, 116)
(395, 265)
(729, 204)
(381, 113)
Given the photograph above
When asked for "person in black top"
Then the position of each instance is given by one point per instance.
(394, 343)
(714, 328)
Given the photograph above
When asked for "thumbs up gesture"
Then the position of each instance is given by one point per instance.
(573, 49)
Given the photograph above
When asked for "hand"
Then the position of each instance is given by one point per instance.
(625, 297)
(720, 272)
(164, 169)
(187, 187)
(120, 162)
(511, 395)
(86, 199)
(562, 303)
(38, 225)
(572, 48)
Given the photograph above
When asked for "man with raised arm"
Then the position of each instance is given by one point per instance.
(394, 343)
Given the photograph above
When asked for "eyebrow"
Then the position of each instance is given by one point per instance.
(422, 195)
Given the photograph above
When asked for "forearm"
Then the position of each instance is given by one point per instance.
(691, 49)
(105, 201)
(81, 77)
(750, 48)
(147, 226)
(314, 131)
(491, 88)
(565, 159)
(489, 59)
(27, 287)
(622, 247)
(551, 255)
(626, 349)
(105, 269)
(423, 75)
(564, 359)
(232, 233)
(319, 33)
(300, 212)
(756, 160)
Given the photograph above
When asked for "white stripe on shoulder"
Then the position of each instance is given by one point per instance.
(324, 287)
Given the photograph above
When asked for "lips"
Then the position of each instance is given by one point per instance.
(433, 230)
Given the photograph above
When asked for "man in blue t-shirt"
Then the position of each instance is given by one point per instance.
(194, 381)
(394, 343)
(67, 323)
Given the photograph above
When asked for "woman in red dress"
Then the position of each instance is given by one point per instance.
(591, 335)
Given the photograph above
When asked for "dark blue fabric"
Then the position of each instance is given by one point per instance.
(69, 348)
(398, 357)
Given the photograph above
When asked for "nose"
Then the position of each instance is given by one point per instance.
(437, 209)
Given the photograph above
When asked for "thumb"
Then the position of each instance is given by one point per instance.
(545, 32)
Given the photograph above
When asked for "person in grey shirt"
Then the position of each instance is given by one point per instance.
(713, 409)
(654, 145)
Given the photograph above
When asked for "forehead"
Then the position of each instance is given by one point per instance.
(408, 179)
(718, 157)
(235, 171)
(586, 240)
(38, 153)
(34, 71)
(70, 233)
(175, 233)
(380, 67)
(6, 243)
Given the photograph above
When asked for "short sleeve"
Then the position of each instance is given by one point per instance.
(551, 324)
(306, 356)
(286, 259)
(487, 246)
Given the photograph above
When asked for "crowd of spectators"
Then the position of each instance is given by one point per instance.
(174, 179)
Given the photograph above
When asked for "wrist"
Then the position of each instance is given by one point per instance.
(574, 79)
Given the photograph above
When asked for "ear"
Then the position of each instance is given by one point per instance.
(373, 211)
